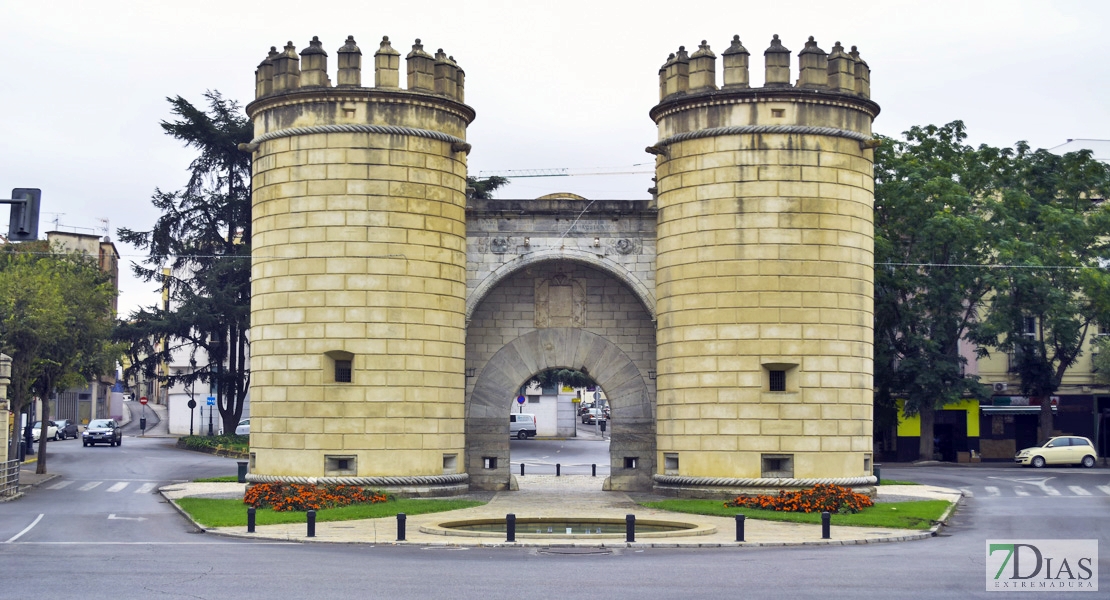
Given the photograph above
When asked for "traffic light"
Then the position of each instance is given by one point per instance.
(23, 226)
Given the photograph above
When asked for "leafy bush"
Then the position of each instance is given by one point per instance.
(220, 442)
(820, 498)
(300, 497)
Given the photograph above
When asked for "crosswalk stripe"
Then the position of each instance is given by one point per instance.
(1078, 491)
(117, 487)
(1051, 491)
(1020, 491)
(146, 488)
(1105, 489)
(88, 486)
(59, 485)
(992, 490)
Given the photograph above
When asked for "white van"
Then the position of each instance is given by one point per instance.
(522, 425)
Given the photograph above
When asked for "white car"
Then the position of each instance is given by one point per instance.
(243, 428)
(51, 430)
(1062, 450)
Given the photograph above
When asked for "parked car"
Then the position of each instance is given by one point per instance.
(592, 415)
(243, 428)
(522, 425)
(66, 429)
(1062, 450)
(102, 431)
(51, 430)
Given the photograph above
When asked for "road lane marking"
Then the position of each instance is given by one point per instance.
(60, 485)
(28, 528)
(146, 488)
(1020, 491)
(993, 490)
(1105, 489)
(113, 517)
(117, 487)
(1078, 491)
(1051, 491)
(88, 486)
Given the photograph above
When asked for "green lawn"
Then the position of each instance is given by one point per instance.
(211, 512)
(901, 515)
(224, 479)
(896, 482)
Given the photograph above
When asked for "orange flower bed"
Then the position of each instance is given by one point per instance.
(820, 498)
(300, 497)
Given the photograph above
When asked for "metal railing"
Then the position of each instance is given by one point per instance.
(9, 478)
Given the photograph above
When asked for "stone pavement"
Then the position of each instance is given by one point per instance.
(572, 498)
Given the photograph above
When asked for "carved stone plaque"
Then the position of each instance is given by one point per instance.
(560, 302)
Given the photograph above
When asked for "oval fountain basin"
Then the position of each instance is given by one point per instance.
(563, 527)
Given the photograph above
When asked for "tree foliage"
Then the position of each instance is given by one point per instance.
(203, 236)
(997, 247)
(570, 377)
(482, 189)
(932, 245)
(55, 323)
(1052, 229)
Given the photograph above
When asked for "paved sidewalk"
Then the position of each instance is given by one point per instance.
(572, 498)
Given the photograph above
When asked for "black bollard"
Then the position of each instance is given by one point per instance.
(510, 527)
(878, 476)
(739, 528)
(311, 523)
(593, 470)
(558, 468)
(825, 518)
(243, 471)
(401, 527)
(630, 528)
(522, 469)
(250, 520)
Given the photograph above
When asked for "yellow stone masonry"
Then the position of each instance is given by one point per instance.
(359, 255)
(764, 270)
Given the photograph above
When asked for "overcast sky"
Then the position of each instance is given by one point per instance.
(555, 84)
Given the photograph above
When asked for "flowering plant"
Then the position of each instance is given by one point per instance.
(301, 497)
(821, 497)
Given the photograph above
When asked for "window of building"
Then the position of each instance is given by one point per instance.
(339, 366)
(777, 380)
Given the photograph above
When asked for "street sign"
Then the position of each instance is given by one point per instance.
(192, 403)
(142, 400)
(520, 399)
(211, 401)
(597, 395)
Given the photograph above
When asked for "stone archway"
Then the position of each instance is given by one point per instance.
(632, 446)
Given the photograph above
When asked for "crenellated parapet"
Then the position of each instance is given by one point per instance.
(289, 70)
(836, 71)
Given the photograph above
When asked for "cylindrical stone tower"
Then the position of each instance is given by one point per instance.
(764, 274)
(359, 271)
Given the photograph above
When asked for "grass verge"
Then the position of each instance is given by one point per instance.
(901, 515)
(213, 512)
(896, 482)
(223, 479)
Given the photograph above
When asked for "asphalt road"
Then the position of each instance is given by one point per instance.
(574, 456)
(77, 548)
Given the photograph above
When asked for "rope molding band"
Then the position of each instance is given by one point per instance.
(761, 482)
(457, 144)
(743, 129)
(364, 481)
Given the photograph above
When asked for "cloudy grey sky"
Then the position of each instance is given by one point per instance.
(555, 84)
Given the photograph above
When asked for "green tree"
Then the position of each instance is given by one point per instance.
(1053, 228)
(931, 247)
(572, 377)
(203, 236)
(55, 323)
(482, 189)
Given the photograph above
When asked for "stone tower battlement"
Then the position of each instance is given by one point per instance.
(837, 71)
(289, 70)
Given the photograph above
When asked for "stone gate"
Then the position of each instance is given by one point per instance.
(728, 319)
